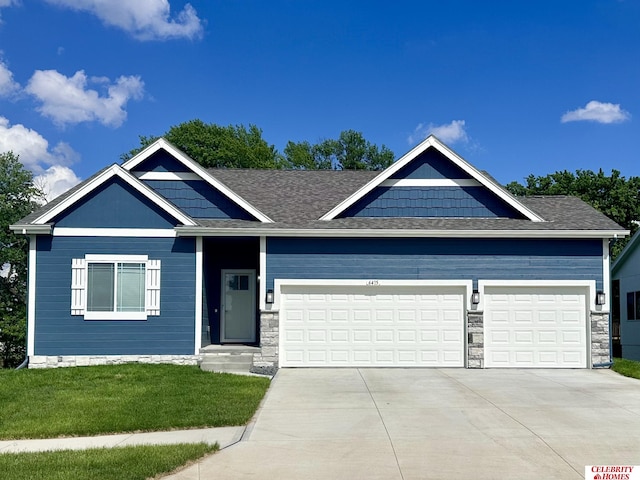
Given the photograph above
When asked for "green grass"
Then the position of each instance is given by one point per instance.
(628, 368)
(122, 398)
(128, 463)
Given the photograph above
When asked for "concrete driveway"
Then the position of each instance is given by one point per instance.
(434, 424)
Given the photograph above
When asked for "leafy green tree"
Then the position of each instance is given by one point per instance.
(614, 195)
(220, 147)
(17, 195)
(349, 152)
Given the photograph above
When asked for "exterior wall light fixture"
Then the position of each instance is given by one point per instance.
(600, 298)
(269, 298)
(475, 297)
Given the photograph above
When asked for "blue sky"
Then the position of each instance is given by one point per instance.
(515, 87)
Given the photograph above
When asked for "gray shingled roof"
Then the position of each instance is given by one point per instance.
(296, 199)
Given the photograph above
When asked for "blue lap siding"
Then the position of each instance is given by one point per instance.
(433, 259)
(60, 333)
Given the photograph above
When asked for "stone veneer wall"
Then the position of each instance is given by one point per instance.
(41, 361)
(599, 339)
(266, 361)
(475, 337)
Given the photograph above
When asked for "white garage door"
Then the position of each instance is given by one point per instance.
(371, 326)
(535, 327)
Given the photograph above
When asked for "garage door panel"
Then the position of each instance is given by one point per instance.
(535, 326)
(397, 326)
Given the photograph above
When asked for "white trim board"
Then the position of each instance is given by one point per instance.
(588, 285)
(404, 233)
(466, 285)
(31, 304)
(431, 182)
(114, 232)
(162, 144)
(199, 299)
(111, 172)
(433, 142)
(184, 176)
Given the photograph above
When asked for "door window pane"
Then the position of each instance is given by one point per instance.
(100, 287)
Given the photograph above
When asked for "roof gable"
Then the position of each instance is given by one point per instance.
(627, 253)
(426, 170)
(98, 183)
(127, 208)
(153, 164)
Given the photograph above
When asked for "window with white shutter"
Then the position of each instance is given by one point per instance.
(115, 287)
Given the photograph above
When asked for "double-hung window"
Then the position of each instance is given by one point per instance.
(115, 287)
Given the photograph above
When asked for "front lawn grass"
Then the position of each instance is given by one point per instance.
(128, 463)
(105, 399)
(628, 368)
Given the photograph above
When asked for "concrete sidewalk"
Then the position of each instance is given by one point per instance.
(224, 436)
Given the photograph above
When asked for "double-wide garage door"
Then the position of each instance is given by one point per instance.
(401, 326)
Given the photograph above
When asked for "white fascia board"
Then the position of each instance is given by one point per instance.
(183, 176)
(199, 170)
(432, 141)
(430, 182)
(113, 171)
(465, 285)
(31, 229)
(365, 233)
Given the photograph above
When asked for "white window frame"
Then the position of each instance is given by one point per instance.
(79, 285)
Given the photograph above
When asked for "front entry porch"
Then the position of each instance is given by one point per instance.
(230, 292)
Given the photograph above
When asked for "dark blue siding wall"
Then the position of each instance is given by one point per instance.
(161, 161)
(198, 199)
(115, 205)
(433, 259)
(461, 202)
(60, 333)
(431, 164)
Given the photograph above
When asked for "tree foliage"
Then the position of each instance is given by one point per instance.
(215, 146)
(349, 152)
(614, 195)
(17, 195)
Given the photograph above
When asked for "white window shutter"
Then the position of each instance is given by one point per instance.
(78, 286)
(153, 287)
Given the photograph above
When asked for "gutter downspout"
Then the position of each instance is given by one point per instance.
(24, 363)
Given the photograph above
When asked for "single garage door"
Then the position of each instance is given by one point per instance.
(332, 326)
(535, 327)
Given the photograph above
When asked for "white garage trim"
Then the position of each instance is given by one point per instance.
(589, 285)
(329, 323)
(540, 324)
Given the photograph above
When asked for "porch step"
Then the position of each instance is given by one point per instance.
(227, 358)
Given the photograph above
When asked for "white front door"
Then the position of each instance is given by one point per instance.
(238, 306)
(533, 326)
(351, 326)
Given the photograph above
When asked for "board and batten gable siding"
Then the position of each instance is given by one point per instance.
(629, 275)
(161, 161)
(198, 199)
(431, 164)
(434, 259)
(449, 202)
(115, 205)
(60, 333)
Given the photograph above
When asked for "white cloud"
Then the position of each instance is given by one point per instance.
(8, 86)
(56, 180)
(67, 100)
(597, 112)
(144, 19)
(33, 148)
(448, 133)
